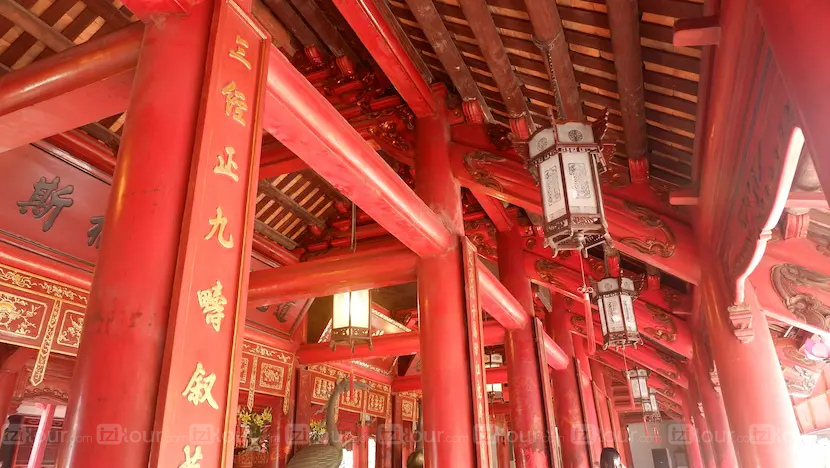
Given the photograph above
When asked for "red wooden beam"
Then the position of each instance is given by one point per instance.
(80, 85)
(306, 123)
(498, 301)
(624, 22)
(507, 180)
(396, 344)
(660, 327)
(547, 26)
(377, 28)
(697, 32)
(361, 270)
(85, 148)
(495, 211)
(797, 32)
(411, 383)
(277, 160)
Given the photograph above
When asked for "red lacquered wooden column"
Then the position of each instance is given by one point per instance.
(701, 429)
(720, 434)
(445, 361)
(363, 432)
(7, 384)
(606, 432)
(397, 433)
(620, 431)
(42, 436)
(116, 377)
(591, 419)
(276, 435)
(765, 432)
(568, 410)
(693, 453)
(526, 401)
(502, 444)
(302, 417)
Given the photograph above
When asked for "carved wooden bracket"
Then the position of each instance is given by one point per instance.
(741, 317)
(651, 245)
(807, 307)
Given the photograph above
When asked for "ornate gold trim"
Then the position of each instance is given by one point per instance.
(46, 346)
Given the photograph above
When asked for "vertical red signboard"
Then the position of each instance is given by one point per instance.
(547, 394)
(474, 338)
(196, 413)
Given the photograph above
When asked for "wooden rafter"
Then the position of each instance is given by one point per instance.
(290, 204)
(547, 26)
(294, 22)
(481, 22)
(33, 25)
(274, 235)
(624, 21)
(324, 28)
(441, 41)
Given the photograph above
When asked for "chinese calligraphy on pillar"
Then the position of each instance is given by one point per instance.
(208, 310)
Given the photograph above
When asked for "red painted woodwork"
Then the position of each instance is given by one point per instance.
(653, 322)
(499, 302)
(617, 366)
(795, 32)
(601, 401)
(93, 83)
(569, 417)
(411, 383)
(302, 119)
(376, 32)
(445, 361)
(693, 451)
(138, 254)
(710, 397)
(697, 32)
(389, 265)
(700, 429)
(496, 211)
(42, 437)
(277, 160)
(86, 149)
(527, 405)
(42, 262)
(589, 408)
(637, 231)
(763, 413)
(788, 267)
(21, 170)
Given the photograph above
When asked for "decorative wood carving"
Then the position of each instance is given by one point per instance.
(800, 373)
(787, 277)
(473, 162)
(665, 328)
(651, 245)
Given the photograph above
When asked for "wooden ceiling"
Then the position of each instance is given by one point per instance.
(670, 74)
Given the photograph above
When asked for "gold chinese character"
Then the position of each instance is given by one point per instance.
(213, 305)
(234, 102)
(218, 224)
(199, 388)
(239, 52)
(192, 461)
(228, 167)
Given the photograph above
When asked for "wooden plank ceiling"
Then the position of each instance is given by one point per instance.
(670, 73)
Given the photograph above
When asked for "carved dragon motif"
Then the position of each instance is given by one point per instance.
(665, 329)
(785, 279)
(547, 270)
(651, 245)
(473, 162)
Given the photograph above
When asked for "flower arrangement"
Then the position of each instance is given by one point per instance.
(317, 432)
(252, 425)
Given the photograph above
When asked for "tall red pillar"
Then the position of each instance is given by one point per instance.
(42, 436)
(116, 378)
(701, 429)
(603, 414)
(276, 436)
(526, 400)
(445, 361)
(765, 432)
(693, 452)
(397, 433)
(591, 419)
(502, 444)
(620, 430)
(8, 380)
(720, 435)
(568, 409)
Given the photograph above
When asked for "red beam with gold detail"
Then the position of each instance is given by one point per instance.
(207, 317)
(653, 322)
(377, 28)
(637, 231)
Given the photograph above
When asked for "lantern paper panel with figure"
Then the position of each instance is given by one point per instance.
(615, 301)
(566, 162)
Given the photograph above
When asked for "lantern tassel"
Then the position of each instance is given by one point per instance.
(656, 434)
